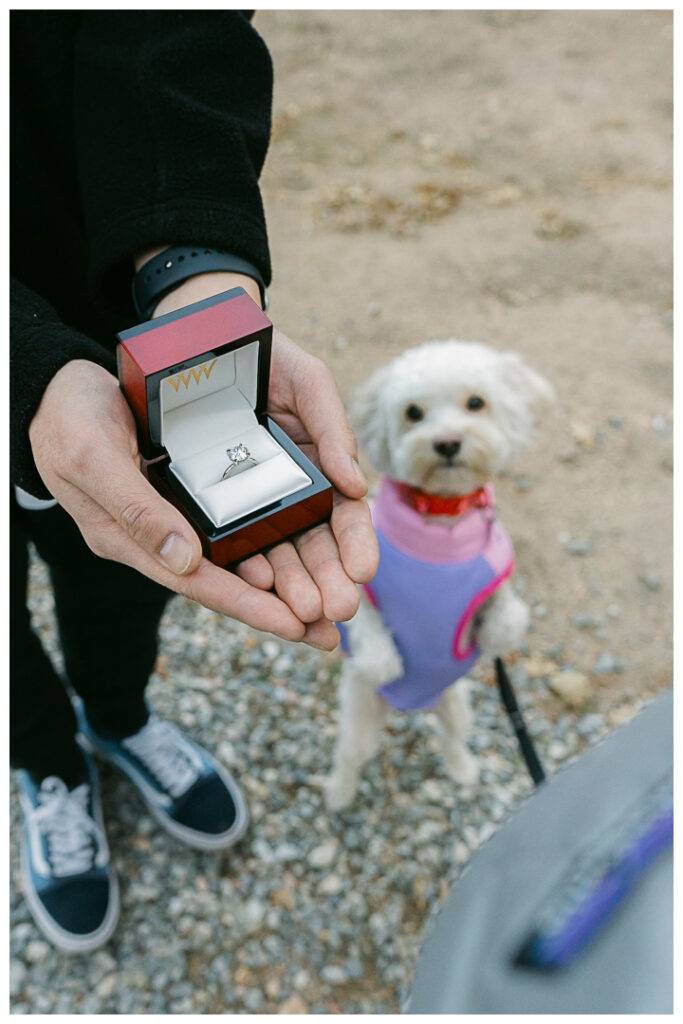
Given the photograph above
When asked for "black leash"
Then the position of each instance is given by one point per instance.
(507, 695)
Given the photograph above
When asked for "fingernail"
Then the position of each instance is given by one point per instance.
(321, 645)
(176, 554)
(318, 646)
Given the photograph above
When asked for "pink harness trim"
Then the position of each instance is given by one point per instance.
(471, 610)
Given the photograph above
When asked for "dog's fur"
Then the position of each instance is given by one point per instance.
(438, 377)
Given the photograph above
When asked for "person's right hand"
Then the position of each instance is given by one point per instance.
(85, 448)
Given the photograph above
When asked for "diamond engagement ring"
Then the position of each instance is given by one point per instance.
(239, 459)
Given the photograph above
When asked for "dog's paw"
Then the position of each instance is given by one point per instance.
(462, 766)
(340, 789)
(381, 666)
(391, 666)
(503, 627)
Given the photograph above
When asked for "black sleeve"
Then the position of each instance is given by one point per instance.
(172, 116)
(40, 344)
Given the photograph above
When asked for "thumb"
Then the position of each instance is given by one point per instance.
(150, 521)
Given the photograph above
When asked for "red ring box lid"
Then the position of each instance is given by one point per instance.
(183, 347)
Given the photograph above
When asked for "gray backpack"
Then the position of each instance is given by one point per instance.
(569, 907)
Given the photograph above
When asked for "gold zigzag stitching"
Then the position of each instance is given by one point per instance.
(196, 373)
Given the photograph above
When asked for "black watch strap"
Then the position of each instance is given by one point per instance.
(173, 266)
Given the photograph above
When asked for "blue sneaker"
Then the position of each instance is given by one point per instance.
(189, 793)
(67, 877)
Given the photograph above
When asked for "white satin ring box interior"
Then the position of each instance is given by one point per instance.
(197, 383)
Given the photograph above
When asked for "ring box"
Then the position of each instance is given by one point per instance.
(197, 383)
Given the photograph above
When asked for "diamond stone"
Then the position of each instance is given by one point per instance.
(238, 454)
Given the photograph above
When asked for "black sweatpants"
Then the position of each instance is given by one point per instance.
(108, 616)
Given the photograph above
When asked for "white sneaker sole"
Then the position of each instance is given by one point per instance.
(59, 937)
(188, 836)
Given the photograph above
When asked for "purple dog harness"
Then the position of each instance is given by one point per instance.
(431, 581)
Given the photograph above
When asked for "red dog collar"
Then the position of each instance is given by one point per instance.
(444, 505)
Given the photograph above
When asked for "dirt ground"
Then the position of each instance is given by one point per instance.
(504, 177)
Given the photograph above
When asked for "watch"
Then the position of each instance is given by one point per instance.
(169, 268)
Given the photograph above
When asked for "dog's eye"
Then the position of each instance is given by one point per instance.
(474, 403)
(414, 413)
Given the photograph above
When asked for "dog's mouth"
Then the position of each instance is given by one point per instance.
(451, 475)
(447, 462)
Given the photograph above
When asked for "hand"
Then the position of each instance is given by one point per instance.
(316, 573)
(85, 448)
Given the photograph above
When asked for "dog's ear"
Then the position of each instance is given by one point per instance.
(526, 396)
(369, 421)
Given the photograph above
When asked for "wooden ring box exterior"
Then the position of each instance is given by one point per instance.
(173, 344)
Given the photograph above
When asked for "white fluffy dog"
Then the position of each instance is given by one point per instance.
(438, 422)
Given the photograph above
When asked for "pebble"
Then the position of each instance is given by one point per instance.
(253, 1000)
(428, 831)
(287, 851)
(607, 663)
(432, 791)
(461, 853)
(37, 951)
(580, 546)
(294, 1005)
(252, 915)
(301, 979)
(322, 856)
(334, 974)
(538, 668)
(17, 977)
(106, 988)
(590, 724)
(583, 435)
(331, 885)
(651, 581)
(572, 687)
(623, 713)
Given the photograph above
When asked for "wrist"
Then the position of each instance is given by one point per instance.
(203, 286)
(168, 278)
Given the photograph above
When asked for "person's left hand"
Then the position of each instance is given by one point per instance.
(316, 572)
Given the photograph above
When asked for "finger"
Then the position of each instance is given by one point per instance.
(257, 572)
(320, 556)
(352, 527)
(226, 593)
(293, 583)
(114, 481)
(221, 591)
(322, 634)
(322, 413)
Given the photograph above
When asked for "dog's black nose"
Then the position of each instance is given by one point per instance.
(447, 448)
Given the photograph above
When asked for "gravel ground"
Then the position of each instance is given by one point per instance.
(312, 912)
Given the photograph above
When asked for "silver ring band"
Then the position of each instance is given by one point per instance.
(240, 459)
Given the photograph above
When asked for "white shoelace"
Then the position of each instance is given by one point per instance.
(165, 753)
(73, 837)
